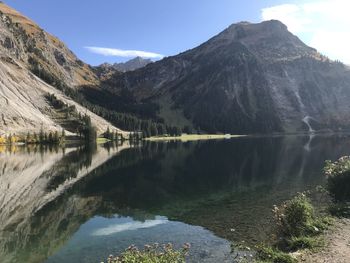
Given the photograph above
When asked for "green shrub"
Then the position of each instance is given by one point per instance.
(295, 217)
(269, 254)
(338, 167)
(338, 182)
(339, 186)
(322, 223)
(152, 254)
(297, 228)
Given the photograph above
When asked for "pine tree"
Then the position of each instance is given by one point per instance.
(63, 137)
(28, 138)
(154, 131)
(90, 133)
(41, 135)
(161, 129)
(36, 138)
(108, 133)
(9, 139)
(56, 137)
(50, 138)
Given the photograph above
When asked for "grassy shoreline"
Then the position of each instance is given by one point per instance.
(193, 137)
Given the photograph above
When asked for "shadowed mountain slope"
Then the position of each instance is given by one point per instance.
(251, 78)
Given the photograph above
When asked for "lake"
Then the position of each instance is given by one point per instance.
(83, 204)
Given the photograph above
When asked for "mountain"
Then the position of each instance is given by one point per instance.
(250, 78)
(132, 64)
(25, 41)
(34, 64)
(105, 70)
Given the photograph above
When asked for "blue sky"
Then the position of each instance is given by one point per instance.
(169, 27)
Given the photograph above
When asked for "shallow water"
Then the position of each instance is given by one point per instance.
(80, 205)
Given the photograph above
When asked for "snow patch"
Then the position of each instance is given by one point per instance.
(306, 120)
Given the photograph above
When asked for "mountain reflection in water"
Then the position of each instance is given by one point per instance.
(218, 185)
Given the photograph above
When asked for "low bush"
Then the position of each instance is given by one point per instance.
(297, 225)
(297, 228)
(295, 217)
(338, 181)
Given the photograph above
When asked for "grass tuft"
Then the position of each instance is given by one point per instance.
(304, 242)
(269, 254)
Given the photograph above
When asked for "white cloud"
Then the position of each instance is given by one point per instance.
(123, 53)
(322, 24)
(287, 13)
(134, 225)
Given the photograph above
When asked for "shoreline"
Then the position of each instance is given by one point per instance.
(193, 137)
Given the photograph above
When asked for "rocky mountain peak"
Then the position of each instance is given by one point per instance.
(107, 70)
(269, 26)
(132, 64)
(268, 40)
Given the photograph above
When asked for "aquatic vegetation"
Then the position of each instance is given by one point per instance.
(152, 254)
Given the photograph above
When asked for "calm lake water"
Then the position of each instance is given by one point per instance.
(80, 205)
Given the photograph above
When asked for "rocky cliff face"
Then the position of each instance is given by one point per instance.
(23, 104)
(25, 41)
(251, 78)
(26, 49)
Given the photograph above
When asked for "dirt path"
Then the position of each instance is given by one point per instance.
(337, 248)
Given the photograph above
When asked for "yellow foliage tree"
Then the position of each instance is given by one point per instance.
(2, 140)
(14, 139)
